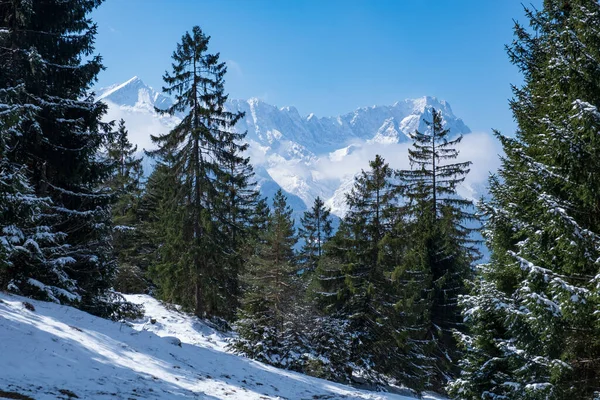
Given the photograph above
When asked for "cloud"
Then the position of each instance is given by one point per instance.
(484, 151)
(481, 149)
(138, 124)
(327, 171)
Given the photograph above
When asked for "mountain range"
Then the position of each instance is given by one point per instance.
(307, 156)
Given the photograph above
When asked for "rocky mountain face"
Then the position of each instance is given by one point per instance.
(307, 156)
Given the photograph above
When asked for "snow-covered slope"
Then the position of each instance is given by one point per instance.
(307, 156)
(60, 352)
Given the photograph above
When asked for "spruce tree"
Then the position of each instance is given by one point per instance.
(533, 314)
(162, 248)
(46, 50)
(25, 245)
(126, 176)
(269, 280)
(353, 284)
(315, 231)
(259, 220)
(206, 152)
(439, 251)
(126, 183)
(237, 212)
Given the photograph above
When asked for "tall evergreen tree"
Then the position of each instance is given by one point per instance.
(46, 50)
(353, 284)
(25, 245)
(315, 231)
(268, 297)
(126, 175)
(162, 248)
(259, 220)
(533, 315)
(439, 249)
(126, 183)
(205, 149)
(237, 212)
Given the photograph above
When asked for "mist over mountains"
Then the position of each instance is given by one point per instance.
(310, 156)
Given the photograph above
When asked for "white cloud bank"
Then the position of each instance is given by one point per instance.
(329, 175)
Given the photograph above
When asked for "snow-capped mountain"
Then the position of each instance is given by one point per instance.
(307, 156)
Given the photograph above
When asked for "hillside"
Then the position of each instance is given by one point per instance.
(60, 352)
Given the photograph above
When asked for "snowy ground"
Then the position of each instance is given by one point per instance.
(60, 352)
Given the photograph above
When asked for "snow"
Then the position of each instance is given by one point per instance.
(165, 354)
(307, 156)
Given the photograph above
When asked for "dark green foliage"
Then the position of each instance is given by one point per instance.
(264, 325)
(212, 207)
(409, 251)
(25, 246)
(353, 285)
(438, 253)
(260, 219)
(126, 176)
(42, 46)
(126, 182)
(237, 210)
(315, 231)
(166, 251)
(533, 315)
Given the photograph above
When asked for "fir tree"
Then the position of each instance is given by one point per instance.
(206, 153)
(238, 205)
(126, 176)
(439, 250)
(126, 182)
(260, 219)
(352, 283)
(42, 48)
(533, 314)
(162, 250)
(269, 278)
(25, 245)
(315, 231)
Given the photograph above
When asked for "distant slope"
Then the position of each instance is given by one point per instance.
(61, 352)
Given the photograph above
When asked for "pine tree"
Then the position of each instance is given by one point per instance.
(315, 231)
(439, 252)
(352, 283)
(126, 182)
(533, 314)
(47, 51)
(205, 151)
(269, 278)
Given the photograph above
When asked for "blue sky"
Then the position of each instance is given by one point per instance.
(328, 56)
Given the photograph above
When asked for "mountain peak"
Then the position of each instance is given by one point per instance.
(254, 100)
(134, 93)
(307, 156)
(133, 80)
(420, 104)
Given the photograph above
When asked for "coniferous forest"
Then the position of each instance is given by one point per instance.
(399, 293)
